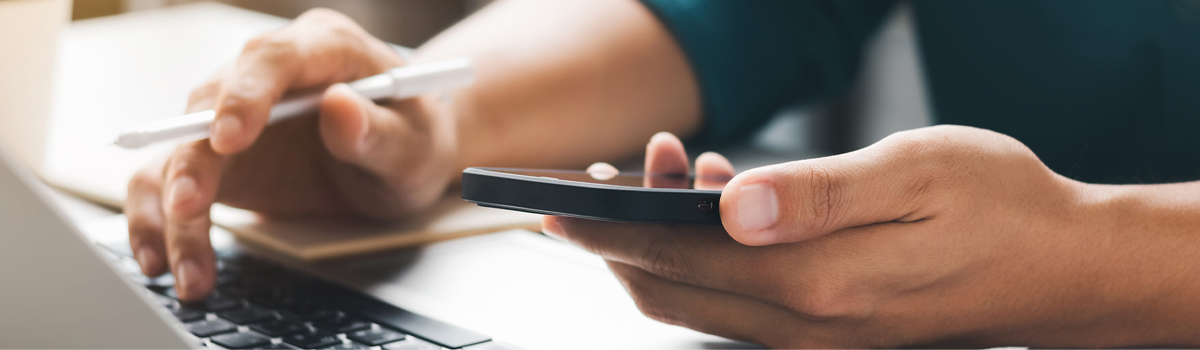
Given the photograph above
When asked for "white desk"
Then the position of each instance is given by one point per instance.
(516, 286)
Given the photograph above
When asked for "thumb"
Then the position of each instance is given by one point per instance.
(394, 147)
(362, 133)
(344, 122)
(795, 201)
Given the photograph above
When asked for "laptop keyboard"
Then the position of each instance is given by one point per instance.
(260, 305)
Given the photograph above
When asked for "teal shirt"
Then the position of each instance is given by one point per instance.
(1104, 91)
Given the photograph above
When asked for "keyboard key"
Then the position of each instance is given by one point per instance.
(215, 302)
(274, 346)
(437, 332)
(247, 315)
(411, 344)
(225, 279)
(308, 311)
(276, 301)
(240, 340)
(346, 346)
(278, 327)
(218, 303)
(208, 328)
(186, 315)
(312, 338)
(373, 337)
(237, 290)
(341, 323)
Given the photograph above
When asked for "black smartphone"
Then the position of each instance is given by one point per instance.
(621, 197)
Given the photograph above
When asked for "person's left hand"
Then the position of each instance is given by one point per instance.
(937, 236)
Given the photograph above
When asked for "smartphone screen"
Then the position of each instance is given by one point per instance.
(630, 179)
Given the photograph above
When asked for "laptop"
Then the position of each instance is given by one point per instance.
(60, 290)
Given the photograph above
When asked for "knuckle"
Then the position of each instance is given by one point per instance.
(823, 192)
(340, 27)
(181, 165)
(188, 159)
(236, 97)
(915, 143)
(270, 44)
(935, 157)
(664, 257)
(146, 179)
(321, 15)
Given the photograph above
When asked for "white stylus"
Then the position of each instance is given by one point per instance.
(397, 83)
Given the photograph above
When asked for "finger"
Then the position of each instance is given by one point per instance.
(713, 171)
(666, 162)
(144, 204)
(795, 201)
(714, 312)
(384, 143)
(143, 210)
(266, 68)
(702, 256)
(191, 180)
(320, 47)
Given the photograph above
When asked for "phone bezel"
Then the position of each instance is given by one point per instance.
(493, 187)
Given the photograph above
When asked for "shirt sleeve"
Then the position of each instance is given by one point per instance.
(753, 57)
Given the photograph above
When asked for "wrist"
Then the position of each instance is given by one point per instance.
(1145, 253)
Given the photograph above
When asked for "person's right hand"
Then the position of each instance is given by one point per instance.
(356, 157)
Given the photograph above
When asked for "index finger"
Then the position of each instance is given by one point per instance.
(263, 72)
(666, 162)
(320, 47)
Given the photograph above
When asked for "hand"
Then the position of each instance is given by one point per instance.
(941, 236)
(357, 157)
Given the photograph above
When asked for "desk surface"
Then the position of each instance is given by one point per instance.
(516, 286)
(120, 71)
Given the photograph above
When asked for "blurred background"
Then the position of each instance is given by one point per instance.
(403, 22)
(888, 97)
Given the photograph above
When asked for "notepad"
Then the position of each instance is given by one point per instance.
(329, 238)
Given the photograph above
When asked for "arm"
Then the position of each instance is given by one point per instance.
(560, 83)
(1144, 254)
(566, 83)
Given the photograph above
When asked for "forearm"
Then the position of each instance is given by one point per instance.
(1152, 262)
(565, 83)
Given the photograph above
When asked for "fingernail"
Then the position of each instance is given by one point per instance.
(182, 189)
(186, 276)
(602, 171)
(660, 135)
(147, 258)
(552, 228)
(227, 127)
(758, 207)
